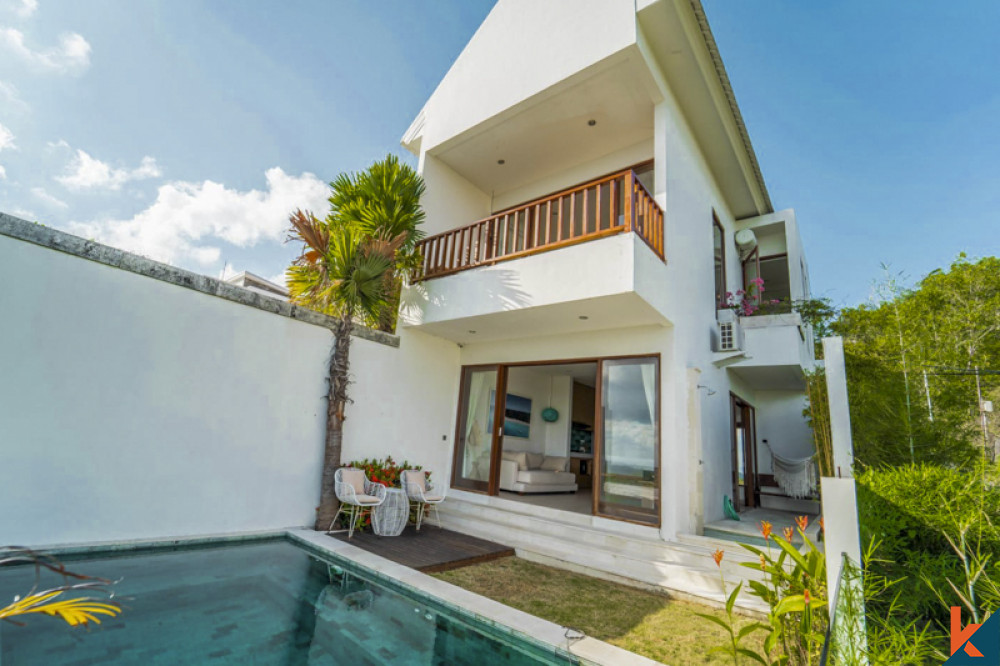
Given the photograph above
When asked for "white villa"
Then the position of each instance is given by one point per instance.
(566, 364)
(592, 196)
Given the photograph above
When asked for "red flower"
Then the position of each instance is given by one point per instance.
(805, 595)
(717, 556)
(789, 534)
(765, 529)
(802, 522)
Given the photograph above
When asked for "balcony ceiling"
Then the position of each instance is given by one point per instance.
(550, 133)
(603, 313)
(772, 377)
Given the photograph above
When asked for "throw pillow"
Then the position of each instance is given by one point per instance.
(555, 464)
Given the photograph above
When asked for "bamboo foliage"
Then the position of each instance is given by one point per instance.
(817, 414)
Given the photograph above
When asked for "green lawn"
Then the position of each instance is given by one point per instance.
(644, 622)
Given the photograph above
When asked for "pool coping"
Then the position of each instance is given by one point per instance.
(590, 651)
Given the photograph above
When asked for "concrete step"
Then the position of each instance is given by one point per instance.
(685, 568)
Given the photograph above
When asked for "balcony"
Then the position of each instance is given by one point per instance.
(611, 205)
(776, 352)
(519, 288)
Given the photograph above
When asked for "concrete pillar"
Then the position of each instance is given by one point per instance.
(840, 415)
(842, 537)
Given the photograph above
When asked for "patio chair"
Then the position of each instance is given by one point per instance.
(357, 494)
(425, 494)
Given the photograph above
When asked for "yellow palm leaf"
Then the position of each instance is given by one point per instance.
(77, 611)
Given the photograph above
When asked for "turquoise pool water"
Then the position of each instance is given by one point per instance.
(257, 603)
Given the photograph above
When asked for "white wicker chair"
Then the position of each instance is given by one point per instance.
(425, 494)
(356, 503)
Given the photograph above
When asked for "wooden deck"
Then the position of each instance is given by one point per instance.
(430, 550)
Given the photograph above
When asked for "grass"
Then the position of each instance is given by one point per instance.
(647, 623)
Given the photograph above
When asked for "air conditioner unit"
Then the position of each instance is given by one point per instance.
(728, 334)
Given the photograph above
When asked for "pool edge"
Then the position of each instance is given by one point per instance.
(590, 651)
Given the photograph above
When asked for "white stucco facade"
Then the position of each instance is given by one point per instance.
(647, 88)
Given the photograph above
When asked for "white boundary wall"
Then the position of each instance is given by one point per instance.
(134, 408)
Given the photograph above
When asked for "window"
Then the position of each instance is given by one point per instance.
(719, 248)
(774, 272)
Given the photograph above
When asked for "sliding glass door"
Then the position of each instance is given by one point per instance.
(628, 457)
(478, 440)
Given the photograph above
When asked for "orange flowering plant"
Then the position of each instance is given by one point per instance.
(794, 589)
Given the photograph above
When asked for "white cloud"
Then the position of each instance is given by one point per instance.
(72, 54)
(48, 199)
(85, 172)
(6, 139)
(3, 173)
(11, 98)
(21, 8)
(23, 213)
(187, 220)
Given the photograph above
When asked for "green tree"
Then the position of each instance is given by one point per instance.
(950, 320)
(351, 267)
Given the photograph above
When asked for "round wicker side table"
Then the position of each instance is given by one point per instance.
(391, 516)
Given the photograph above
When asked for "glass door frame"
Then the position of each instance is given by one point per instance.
(599, 439)
(748, 496)
(492, 485)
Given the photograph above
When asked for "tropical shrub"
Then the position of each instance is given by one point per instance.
(383, 470)
(937, 529)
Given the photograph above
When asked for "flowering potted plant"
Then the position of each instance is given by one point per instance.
(387, 472)
(747, 302)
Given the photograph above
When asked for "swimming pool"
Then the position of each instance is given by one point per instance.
(263, 602)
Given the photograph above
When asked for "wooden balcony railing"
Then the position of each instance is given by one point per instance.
(610, 205)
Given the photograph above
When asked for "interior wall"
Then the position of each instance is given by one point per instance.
(557, 432)
(544, 391)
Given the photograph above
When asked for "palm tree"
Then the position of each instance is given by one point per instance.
(352, 267)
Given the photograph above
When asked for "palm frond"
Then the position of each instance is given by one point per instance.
(310, 231)
(74, 611)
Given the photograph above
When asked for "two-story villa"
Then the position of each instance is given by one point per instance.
(592, 196)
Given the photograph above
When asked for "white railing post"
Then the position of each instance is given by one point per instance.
(840, 415)
(841, 528)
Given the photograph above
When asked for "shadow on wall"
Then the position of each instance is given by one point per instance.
(483, 292)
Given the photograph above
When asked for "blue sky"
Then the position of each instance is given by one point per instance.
(184, 130)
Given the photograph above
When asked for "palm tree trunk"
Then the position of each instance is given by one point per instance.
(336, 402)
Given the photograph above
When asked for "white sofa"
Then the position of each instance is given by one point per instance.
(523, 472)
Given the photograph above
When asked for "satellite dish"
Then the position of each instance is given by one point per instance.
(746, 241)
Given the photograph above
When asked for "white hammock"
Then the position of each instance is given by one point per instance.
(795, 476)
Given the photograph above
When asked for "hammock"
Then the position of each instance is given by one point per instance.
(795, 476)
